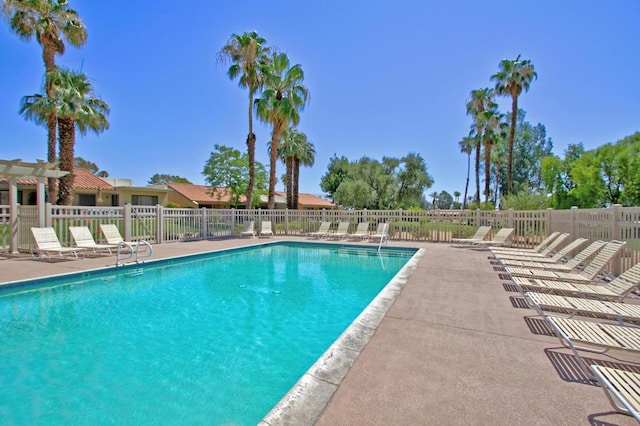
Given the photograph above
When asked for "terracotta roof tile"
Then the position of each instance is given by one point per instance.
(310, 200)
(84, 179)
(202, 193)
(22, 181)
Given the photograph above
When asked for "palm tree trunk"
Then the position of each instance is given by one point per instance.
(48, 56)
(512, 137)
(478, 172)
(487, 173)
(289, 177)
(466, 187)
(67, 132)
(251, 153)
(296, 178)
(275, 137)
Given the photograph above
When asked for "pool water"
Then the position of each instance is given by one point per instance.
(206, 340)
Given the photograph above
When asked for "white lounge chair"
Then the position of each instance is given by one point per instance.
(82, 238)
(382, 233)
(560, 255)
(502, 238)
(622, 388)
(586, 275)
(524, 251)
(580, 335)
(265, 229)
(111, 233)
(322, 231)
(361, 233)
(341, 232)
(47, 244)
(481, 234)
(248, 230)
(574, 263)
(549, 250)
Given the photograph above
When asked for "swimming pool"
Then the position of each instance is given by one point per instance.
(207, 339)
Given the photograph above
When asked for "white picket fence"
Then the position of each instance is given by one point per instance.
(160, 225)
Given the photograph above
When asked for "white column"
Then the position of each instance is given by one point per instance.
(40, 196)
(13, 215)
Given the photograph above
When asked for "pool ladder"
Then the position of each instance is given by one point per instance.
(122, 244)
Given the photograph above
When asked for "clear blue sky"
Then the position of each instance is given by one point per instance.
(385, 78)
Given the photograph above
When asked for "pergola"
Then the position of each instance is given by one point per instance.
(13, 170)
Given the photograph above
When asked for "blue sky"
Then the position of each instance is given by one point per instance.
(385, 78)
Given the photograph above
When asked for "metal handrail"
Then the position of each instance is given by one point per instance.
(122, 244)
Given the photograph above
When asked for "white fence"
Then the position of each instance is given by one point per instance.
(159, 225)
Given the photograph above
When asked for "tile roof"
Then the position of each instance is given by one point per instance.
(203, 194)
(22, 181)
(310, 200)
(84, 179)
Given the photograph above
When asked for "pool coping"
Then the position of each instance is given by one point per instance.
(305, 401)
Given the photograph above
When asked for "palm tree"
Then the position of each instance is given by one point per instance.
(305, 156)
(49, 21)
(512, 78)
(286, 152)
(480, 101)
(280, 105)
(490, 121)
(247, 53)
(434, 196)
(467, 144)
(74, 102)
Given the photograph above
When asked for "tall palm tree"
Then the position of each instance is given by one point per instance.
(467, 145)
(74, 102)
(49, 21)
(283, 98)
(490, 121)
(480, 100)
(305, 156)
(512, 78)
(247, 53)
(287, 149)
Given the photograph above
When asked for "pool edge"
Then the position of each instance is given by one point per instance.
(305, 401)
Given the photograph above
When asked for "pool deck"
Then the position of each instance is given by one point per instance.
(456, 347)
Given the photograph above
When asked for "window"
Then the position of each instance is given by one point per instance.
(86, 199)
(115, 200)
(144, 200)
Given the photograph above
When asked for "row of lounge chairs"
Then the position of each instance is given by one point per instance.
(479, 239)
(47, 243)
(342, 232)
(587, 308)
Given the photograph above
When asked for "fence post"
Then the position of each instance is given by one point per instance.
(574, 223)
(127, 222)
(286, 221)
(549, 223)
(234, 219)
(47, 214)
(204, 225)
(159, 224)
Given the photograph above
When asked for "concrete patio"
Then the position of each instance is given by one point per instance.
(456, 347)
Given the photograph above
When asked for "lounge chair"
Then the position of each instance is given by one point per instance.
(322, 231)
(548, 250)
(524, 251)
(362, 232)
(265, 229)
(341, 232)
(381, 234)
(82, 238)
(621, 387)
(248, 230)
(481, 234)
(559, 256)
(47, 244)
(615, 290)
(111, 233)
(586, 275)
(580, 335)
(571, 264)
(502, 238)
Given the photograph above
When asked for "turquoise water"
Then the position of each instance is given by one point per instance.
(212, 340)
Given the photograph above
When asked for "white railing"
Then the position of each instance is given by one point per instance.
(158, 224)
